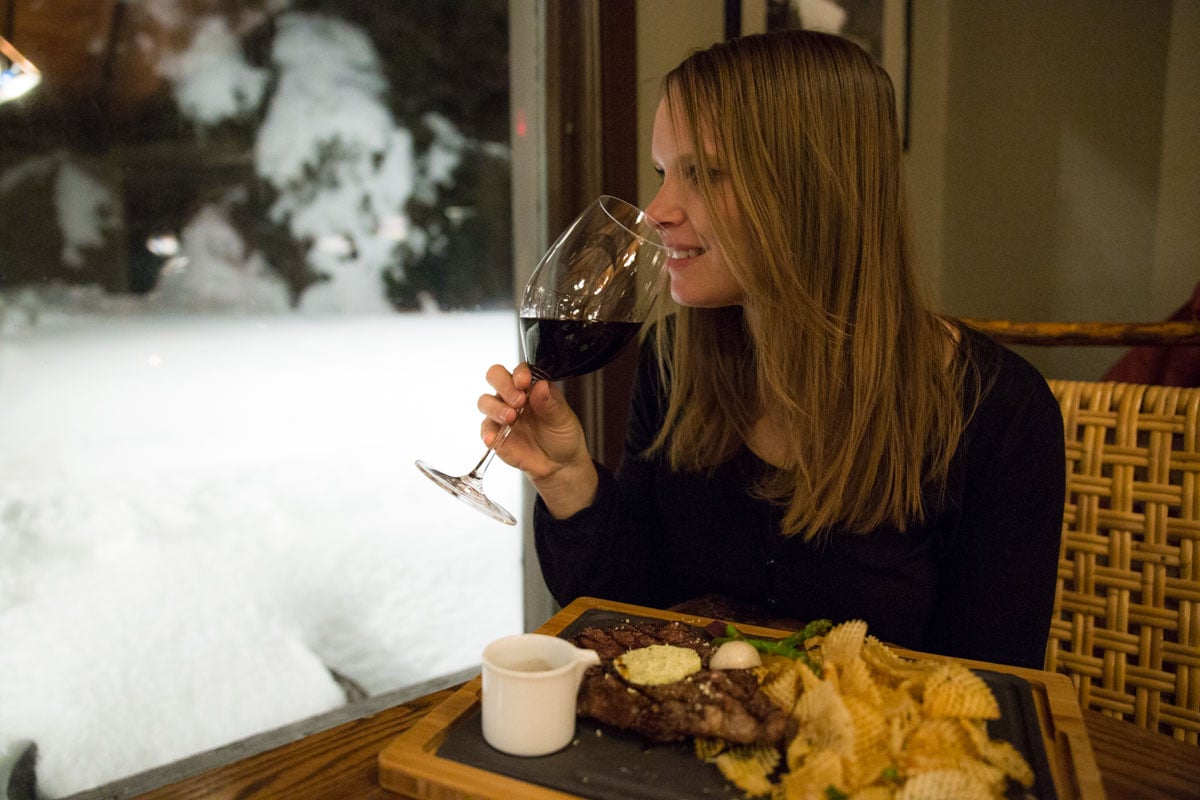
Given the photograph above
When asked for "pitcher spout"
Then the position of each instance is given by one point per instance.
(584, 659)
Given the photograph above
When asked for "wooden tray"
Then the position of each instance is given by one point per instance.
(410, 764)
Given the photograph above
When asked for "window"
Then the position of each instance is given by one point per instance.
(255, 258)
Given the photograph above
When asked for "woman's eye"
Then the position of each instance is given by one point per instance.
(712, 175)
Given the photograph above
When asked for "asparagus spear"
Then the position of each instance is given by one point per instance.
(791, 646)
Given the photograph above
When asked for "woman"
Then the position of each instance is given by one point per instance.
(804, 434)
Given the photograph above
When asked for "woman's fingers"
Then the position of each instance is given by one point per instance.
(506, 388)
(509, 396)
(503, 407)
(547, 403)
(488, 431)
(523, 377)
(511, 387)
(496, 410)
(548, 432)
(540, 397)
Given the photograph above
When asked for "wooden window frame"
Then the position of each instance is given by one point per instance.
(574, 101)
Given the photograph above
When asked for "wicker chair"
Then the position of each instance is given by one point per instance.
(1126, 625)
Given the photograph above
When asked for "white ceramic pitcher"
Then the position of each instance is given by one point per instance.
(530, 682)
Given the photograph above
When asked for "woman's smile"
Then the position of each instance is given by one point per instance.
(682, 254)
(680, 258)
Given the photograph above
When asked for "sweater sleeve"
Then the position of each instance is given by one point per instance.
(611, 549)
(996, 588)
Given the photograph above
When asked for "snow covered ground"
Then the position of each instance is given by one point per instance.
(200, 515)
(207, 501)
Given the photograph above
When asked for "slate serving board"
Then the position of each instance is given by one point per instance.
(604, 763)
(443, 756)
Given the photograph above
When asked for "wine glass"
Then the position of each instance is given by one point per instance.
(587, 299)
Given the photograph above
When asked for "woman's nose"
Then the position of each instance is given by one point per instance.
(663, 209)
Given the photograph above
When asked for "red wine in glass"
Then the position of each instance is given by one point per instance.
(586, 300)
(557, 349)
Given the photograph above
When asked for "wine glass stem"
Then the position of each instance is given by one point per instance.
(476, 474)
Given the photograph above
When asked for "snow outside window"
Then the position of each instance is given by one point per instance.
(243, 286)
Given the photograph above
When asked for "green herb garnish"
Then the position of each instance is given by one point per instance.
(791, 646)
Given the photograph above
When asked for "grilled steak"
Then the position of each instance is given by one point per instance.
(723, 704)
(616, 640)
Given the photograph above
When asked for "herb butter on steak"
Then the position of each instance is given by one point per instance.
(724, 704)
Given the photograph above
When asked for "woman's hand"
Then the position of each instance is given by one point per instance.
(547, 441)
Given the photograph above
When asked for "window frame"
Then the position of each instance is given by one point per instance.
(575, 131)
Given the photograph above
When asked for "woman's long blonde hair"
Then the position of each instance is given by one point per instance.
(838, 346)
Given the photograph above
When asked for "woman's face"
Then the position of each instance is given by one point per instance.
(700, 276)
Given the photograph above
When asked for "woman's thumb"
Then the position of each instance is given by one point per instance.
(542, 400)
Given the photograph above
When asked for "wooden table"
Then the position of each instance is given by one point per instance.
(337, 756)
(1137, 763)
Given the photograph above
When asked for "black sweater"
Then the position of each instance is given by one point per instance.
(976, 581)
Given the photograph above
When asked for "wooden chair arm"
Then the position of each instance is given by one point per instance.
(1057, 334)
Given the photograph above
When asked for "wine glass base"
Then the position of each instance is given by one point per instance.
(469, 491)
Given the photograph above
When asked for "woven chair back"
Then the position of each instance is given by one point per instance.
(1126, 624)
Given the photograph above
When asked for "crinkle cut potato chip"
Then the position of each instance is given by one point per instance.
(943, 784)
(952, 690)
(844, 643)
(1004, 756)
(871, 756)
(873, 793)
(936, 743)
(822, 769)
(779, 678)
(708, 748)
(871, 725)
(749, 767)
(824, 723)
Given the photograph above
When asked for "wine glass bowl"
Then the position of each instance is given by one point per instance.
(585, 301)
